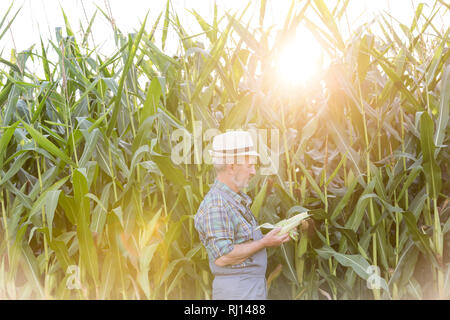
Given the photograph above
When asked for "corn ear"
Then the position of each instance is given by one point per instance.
(287, 225)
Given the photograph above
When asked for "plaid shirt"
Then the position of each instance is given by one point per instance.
(221, 223)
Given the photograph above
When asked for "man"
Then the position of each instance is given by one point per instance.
(226, 226)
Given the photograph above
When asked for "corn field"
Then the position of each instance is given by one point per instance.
(92, 207)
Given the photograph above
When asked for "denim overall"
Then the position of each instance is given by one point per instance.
(241, 283)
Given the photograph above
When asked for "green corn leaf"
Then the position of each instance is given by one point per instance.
(5, 139)
(88, 254)
(356, 262)
(259, 200)
(47, 144)
(152, 99)
(5, 92)
(131, 55)
(62, 254)
(68, 205)
(329, 21)
(416, 17)
(311, 180)
(262, 12)
(43, 199)
(431, 169)
(398, 83)
(354, 222)
(344, 200)
(108, 275)
(31, 270)
(17, 165)
(51, 202)
(421, 239)
(10, 21)
(91, 141)
(100, 212)
(444, 106)
(166, 25)
(11, 106)
(169, 171)
(338, 136)
(88, 30)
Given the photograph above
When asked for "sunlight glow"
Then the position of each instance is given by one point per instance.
(300, 60)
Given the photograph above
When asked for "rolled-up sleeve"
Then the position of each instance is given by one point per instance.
(216, 230)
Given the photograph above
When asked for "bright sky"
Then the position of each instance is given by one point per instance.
(41, 17)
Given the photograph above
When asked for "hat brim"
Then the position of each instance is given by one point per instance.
(218, 154)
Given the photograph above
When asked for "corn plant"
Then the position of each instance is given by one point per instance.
(92, 207)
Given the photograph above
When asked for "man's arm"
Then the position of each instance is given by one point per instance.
(242, 251)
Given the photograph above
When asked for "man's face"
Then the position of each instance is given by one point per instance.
(242, 172)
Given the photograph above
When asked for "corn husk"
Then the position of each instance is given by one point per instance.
(287, 225)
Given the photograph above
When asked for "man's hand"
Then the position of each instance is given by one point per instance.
(272, 239)
(242, 251)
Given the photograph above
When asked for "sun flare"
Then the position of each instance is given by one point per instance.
(300, 60)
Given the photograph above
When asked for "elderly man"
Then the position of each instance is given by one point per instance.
(236, 251)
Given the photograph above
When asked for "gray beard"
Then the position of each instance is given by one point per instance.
(239, 185)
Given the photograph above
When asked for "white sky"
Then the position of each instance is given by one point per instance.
(41, 17)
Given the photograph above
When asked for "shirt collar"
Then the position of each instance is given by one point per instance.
(240, 197)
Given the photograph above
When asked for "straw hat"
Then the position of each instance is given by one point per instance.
(232, 144)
